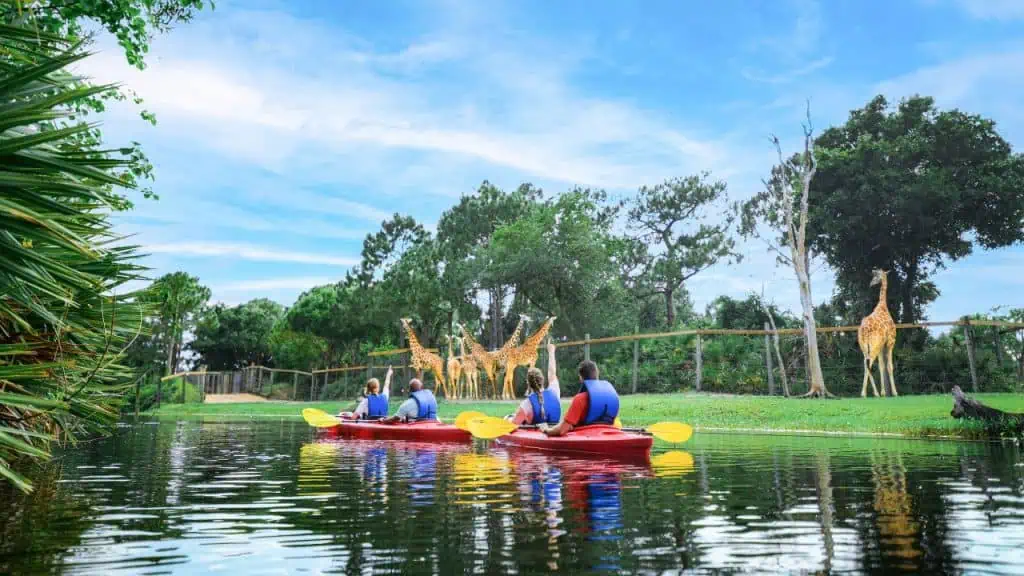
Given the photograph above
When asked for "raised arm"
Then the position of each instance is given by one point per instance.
(387, 383)
(552, 364)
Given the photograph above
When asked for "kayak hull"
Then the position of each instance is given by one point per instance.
(599, 439)
(424, 431)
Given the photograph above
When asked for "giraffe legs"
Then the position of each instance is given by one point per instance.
(508, 391)
(868, 363)
(892, 376)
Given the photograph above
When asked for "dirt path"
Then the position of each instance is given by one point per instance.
(232, 398)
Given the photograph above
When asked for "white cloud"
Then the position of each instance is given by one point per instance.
(993, 9)
(297, 283)
(508, 107)
(247, 252)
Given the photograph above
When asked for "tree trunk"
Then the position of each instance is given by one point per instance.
(816, 384)
(170, 352)
(907, 315)
(670, 308)
(964, 407)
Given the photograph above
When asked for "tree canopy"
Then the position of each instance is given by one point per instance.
(908, 189)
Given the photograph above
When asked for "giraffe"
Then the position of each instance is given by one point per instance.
(525, 355)
(454, 370)
(423, 359)
(491, 360)
(469, 369)
(877, 333)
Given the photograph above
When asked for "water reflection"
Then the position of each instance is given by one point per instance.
(194, 498)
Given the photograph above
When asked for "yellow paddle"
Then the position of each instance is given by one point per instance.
(490, 427)
(462, 420)
(319, 418)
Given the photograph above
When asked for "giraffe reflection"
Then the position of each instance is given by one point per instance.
(898, 531)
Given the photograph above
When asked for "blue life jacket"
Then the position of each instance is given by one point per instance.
(552, 407)
(426, 404)
(604, 402)
(376, 406)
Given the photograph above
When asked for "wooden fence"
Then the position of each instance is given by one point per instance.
(309, 385)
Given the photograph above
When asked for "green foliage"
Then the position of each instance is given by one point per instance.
(178, 299)
(230, 338)
(295, 350)
(672, 218)
(169, 392)
(907, 190)
(63, 324)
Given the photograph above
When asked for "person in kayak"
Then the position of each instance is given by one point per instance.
(597, 402)
(374, 403)
(543, 402)
(421, 405)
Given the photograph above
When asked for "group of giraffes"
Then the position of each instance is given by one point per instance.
(464, 370)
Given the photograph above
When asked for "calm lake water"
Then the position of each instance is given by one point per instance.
(199, 497)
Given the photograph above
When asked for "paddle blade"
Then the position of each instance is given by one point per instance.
(672, 432)
(319, 418)
(489, 427)
(617, 423)
(462, 420)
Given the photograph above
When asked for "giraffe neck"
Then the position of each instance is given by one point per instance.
(414, 342)
(534, 340)
(513, 340)
(882, 292)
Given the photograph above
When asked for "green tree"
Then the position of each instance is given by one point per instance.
(333, 313)
(468, 226)
(63, 323)
(178, 298)
(672, 217)
(560, 257)
(908, 190)
(232, 337)
(295, 350)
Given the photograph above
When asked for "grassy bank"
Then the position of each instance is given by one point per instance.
(906, 415)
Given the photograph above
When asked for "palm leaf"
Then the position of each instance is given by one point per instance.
(61, 329)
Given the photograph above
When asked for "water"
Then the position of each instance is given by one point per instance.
(266, 498)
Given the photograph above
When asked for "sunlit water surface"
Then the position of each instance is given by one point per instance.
(197, 497)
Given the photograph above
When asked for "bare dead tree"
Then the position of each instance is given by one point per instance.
(796, 241)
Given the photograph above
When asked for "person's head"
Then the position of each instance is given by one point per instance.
(372, 386)
(415, 385)
(588, 370)
(535, 380)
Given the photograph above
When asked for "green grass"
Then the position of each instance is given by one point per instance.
(918, 416)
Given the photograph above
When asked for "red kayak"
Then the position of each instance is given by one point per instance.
(424, 430)
(596, 439)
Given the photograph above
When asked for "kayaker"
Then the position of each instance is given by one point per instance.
(421, 405)
(543, 403)
(374, 404)
(597, 402)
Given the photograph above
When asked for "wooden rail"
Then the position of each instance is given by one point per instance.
(587, 342)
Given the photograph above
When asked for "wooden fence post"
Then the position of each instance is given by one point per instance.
(999, 348)
(181, 394)
(586, 347)
(159, 391)
(768, 361)
(295, 386)
(700, 363)
(138, 386)
(636, 358)
(970, 355)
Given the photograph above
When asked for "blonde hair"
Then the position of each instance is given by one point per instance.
(535, 383)
(370, 384)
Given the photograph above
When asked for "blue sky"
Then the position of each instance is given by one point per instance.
(289, 130)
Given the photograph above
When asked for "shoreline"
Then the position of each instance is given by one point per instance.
(904, 417)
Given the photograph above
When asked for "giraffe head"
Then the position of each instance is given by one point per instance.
(877, 275)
